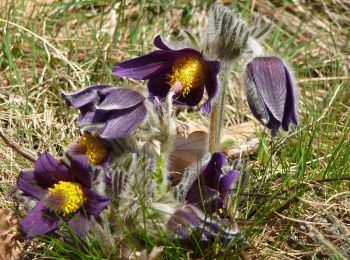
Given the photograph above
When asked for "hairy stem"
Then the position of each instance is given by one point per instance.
(160, 176)
(217, 113)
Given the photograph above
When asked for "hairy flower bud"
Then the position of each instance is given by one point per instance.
(228, 35)
(271, 93)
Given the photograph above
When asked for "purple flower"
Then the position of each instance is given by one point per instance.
(209, 190)
(190, 218)
(107, 111)
(271, 93)
(205, 197)
(186, 72)
(63, 195)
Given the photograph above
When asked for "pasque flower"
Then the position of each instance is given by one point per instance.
(186, 72)
(107, 111)
(206, 196)
(190, 218)
(209, 190)
(63, 194)
(271, 93)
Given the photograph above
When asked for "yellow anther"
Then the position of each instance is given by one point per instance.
(70, 195)
(93, 148)
(189, 71)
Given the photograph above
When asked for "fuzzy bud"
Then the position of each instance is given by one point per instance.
(228, 35)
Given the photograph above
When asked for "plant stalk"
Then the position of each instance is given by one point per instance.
(217, 112)
(160, 176)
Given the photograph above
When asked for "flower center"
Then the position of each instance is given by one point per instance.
(69, 194)
(187, 73)
(93, 148)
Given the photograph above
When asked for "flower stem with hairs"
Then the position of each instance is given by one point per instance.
(217, 112)
(160, 177)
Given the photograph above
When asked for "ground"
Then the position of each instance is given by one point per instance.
(297, 202)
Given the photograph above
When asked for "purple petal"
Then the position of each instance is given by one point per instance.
(26, 182)
(193, 97)
(198, 193)
(205, 187)
(223, 229)
(95, 117)
(40, 220)
(79, 224)
(270, 79)
(123, 122)
(212, 171)
(226, 182)
(274, 125)
(49, 171)
(158, 86)
(211, 83)
(213, 204)
(75, 149)
(146, 66)
(290, 111)
(95, 203)
(183, 220)
(87, 114)
(204, 198)
(80, 170)
(190, 218)
(120, 98)
(255, 100)
(158, 42)
(84, 96)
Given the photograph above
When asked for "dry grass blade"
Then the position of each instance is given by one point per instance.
(323, 225)
(16, 147)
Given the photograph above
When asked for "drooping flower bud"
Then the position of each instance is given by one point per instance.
(107, 111)
(271, 93)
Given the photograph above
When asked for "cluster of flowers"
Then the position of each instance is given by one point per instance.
(127, 140)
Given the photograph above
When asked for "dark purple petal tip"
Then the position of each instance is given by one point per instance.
(159, 43)
(146, 66)
(84, 96)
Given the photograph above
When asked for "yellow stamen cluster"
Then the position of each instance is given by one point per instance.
(93, 148)
(70, 195)
(219, 212)
(189, 71)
